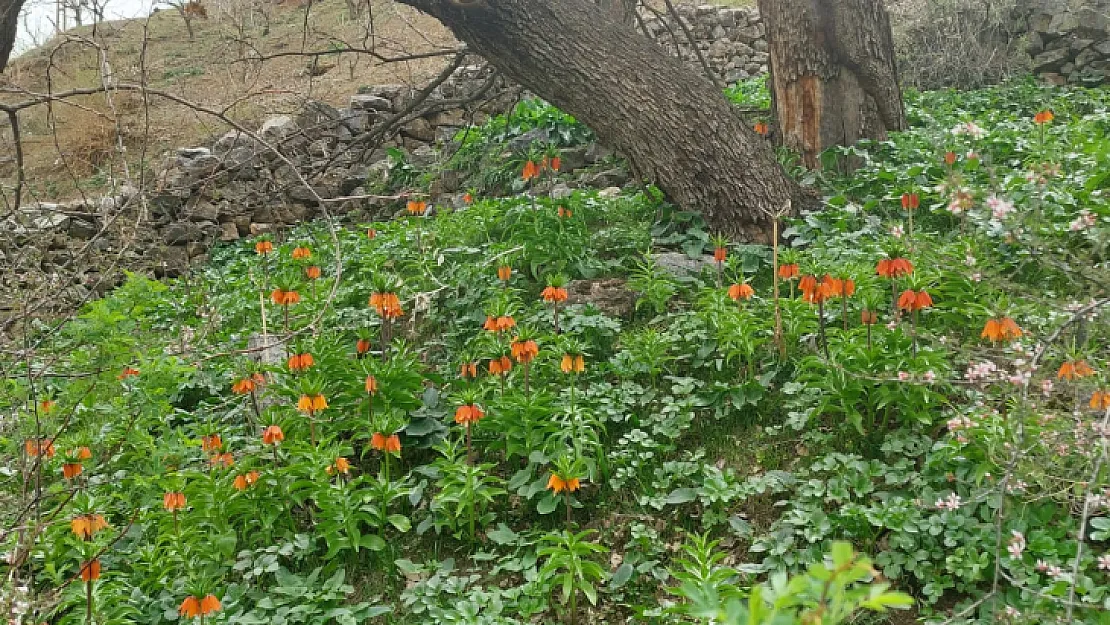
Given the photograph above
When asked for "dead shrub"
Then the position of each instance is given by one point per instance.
(964, 43)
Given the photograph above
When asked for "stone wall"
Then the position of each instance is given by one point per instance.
(732, 40)
(1069, 40)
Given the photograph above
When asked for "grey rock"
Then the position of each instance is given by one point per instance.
(615, 177)
(182, 232)
(523, 142)
(82, 229)
(367, 102)
(424, 156)
(611, 296)
(1050, 61)
(202, 211)
(595, 153)
(277, 128)
(191, 153)
(233, 139)
(419, 129)
(560, 191)
(682, 265)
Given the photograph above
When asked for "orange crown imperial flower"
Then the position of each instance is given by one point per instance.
(500, 366)
(565, 213)
(272, 435)
(224, 460)
(557, 484)
(911, 201)
(301, 253)
(868, 317)
(788, 271)
(341, 465)
(71, 470)
(468, 414)
(416, 208)
(301, 362)
(741, 291)
(85, 526)
(312, 272)
(390, 444)
(128, 372)
(193, 607)
(312, 403)
(362, 346)
(211, 442)
(720, 254)
(910, 300)
(244, 481)
(285, 298)
(531, 170)
(263, 247)
(894, 267)
(524, 351)
(554, 294)
(1074, 370)
(1100, 400)
(1000, 329)
(760, 129)
(1043, 117)
(39, 447)
(468, 370)
(371, 384)
(90, 571)
(572, 363)
(504, 272)
(173, 501)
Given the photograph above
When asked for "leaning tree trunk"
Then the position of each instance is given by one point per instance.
(9, 23)
(675, 128)
(833, 76)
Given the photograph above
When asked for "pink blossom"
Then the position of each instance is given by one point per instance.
(1041, 566)
(903, 376)
(1046, 387)
(1055, 572)
(897, 232)
(892, 325)
(1000, 208)
(1017, 544)
(1104, 562)
(929, 376)
(976, 277)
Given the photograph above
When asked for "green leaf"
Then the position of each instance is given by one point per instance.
(680, 496)
(621, 575)
(503, 535)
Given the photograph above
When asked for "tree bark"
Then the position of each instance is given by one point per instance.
(834, 79)
(674, 127)
(9, 24)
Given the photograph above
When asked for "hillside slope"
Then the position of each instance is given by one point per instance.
(218, 68)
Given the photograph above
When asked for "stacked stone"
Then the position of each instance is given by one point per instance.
(732, 40)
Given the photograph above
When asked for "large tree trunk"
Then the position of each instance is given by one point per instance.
(9, 23)
(670, 122)
(833, 75)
